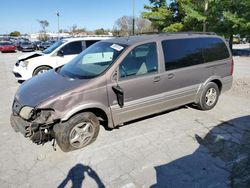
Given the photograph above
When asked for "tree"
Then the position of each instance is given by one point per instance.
(15, 34)
(225, 17)
(44, 24)
(158, 13)
(230, 18)
(100, 31)
(74, 30)
(123, 26)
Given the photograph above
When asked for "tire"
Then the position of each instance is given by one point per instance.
(79, 131)
(209, 97)
(41, 70)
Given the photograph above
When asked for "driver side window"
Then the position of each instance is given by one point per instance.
(140, 61)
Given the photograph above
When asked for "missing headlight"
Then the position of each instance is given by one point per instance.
(26, 112)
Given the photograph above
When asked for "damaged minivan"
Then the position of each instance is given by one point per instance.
(119, 80)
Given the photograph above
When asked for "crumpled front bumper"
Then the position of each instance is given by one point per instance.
(20, 125)
(21, 73)
(36, 131)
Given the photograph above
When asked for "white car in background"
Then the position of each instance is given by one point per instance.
(56, 55)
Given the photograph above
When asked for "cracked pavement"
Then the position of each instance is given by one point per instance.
(184, 147)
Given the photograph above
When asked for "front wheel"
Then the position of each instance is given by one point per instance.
(78, 132)
(209, 97)
(41, 70)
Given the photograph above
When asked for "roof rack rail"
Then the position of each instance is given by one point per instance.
(196, 32)
(170, 33)
(149, 33)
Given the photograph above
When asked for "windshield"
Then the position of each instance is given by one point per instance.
(93, 61)
(5, 43)
(26, 43)
(53, 47)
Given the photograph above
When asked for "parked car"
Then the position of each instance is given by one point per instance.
(37, 44)
(26, 47)
(45, 45)
(119, 80)
(56, 55)
(241, 52)
(6, 46)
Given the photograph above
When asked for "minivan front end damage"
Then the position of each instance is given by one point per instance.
(36, 124)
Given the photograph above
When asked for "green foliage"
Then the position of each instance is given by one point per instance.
(158, 3)
(225, 17)
(191, 14)
(100, 31)
(158, 13)
(160, 17)
(15, 34)
(175, 27)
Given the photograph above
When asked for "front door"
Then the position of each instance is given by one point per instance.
(140, 83)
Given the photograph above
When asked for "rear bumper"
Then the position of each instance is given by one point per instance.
(28, 49)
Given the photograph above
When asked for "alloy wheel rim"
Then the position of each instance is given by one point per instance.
(81, 134)
(211, 96)
(42, 71)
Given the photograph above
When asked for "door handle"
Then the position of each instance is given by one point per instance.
(170, 76)
(157, 79)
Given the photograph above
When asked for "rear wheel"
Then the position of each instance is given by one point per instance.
(78, 132)
(209, 96)
(41, 70)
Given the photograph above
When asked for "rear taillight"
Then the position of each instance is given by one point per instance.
(232, 67)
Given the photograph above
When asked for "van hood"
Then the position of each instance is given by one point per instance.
(44, 86)
(30, 55)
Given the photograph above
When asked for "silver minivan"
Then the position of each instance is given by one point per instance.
(119, 80)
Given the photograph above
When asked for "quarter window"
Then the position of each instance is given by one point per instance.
(141, 60)
(214, 49)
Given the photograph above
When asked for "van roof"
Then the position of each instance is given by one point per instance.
(130, 40)
(88, 38)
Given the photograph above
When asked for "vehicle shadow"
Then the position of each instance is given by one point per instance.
(222, 159)
(9, 52)
(77, 175)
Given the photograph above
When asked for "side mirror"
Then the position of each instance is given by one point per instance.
(119, 94)
(60, 53)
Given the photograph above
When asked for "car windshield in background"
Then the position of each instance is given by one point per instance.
(53, 47)
(5, 43)
(26, 43)
(93, 61)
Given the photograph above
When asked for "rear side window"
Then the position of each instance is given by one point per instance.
(182, 53)
(214, 49)
(72, 48)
